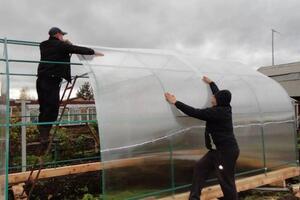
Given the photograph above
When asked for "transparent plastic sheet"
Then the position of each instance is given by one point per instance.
(148, 146)
(278, 120)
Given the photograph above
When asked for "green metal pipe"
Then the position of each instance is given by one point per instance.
(34, 75)
(19, 42)
(48, 123)
(17, 74)
(296, 137)
(7, 119)
(27, 116)
(264, 148)
(172, 165)
(42, 61)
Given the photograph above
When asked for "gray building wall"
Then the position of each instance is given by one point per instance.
(288, 75)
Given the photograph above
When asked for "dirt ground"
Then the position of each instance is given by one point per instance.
(263, 195)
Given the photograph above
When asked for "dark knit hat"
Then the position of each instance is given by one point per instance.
(223, 97)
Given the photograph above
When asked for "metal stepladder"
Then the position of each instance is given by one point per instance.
(32, 180)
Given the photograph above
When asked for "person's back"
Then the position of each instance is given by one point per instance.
(219, 127)
(59, 52)
(54, 66)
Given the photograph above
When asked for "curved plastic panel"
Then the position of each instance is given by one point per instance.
(153, 144)
(277, 116)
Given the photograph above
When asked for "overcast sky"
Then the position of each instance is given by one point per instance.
(237, 30)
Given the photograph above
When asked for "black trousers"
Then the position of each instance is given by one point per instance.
(48, 96)
(211, 162)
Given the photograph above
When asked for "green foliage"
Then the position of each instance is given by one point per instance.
(62, 137)
(80, 143)
(85, 91)
(15, 133)
(70, 143)
(64, 143)
(32, 134)
(31, 159)
(90, 197)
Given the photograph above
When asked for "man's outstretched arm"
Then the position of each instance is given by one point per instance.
(68, 47)
(214, 88)
(203, 114)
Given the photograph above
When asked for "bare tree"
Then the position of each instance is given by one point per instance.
(24, 93)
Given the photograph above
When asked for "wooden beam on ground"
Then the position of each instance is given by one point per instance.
(244, 184)
(20, 177)
(281, 184)
(18, 192)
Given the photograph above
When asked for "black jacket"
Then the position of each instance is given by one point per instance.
(218, 123)
(55, 50)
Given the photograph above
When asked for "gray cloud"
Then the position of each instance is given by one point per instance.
(232, 29)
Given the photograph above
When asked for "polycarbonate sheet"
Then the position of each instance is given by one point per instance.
(220, 67)
(277, 116)
(121, 98)
(247, 124)
(142, 133)
(149, 172)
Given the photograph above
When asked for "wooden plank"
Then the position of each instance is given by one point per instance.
(16, 178)
(244, 184)
(281, 184)
(18, 191)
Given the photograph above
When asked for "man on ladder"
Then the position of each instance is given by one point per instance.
(50, 75)
(54, 66)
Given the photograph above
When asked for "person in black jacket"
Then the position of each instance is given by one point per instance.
(50, 76)
(219, 127)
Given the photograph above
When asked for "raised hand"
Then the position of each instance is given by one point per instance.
(68, 41)
(170, 98)
(206, 80)
(98, 54)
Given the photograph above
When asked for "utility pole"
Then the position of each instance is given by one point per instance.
(273, 31)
